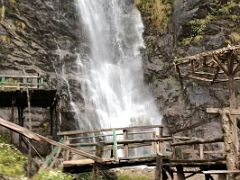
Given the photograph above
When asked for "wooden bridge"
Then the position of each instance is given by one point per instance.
(96, 150)
(145, 145)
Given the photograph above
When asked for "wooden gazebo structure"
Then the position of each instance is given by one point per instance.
(218, 66)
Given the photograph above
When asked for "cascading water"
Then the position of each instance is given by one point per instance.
(110, 68)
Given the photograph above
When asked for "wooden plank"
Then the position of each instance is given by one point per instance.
(226, 110)
(74, 150)
(79, 162)
(38, 137)
(19, 129)
(221, 172)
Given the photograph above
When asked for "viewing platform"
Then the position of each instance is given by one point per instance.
(13, 91)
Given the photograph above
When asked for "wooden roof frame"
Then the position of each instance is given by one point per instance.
(212, 66)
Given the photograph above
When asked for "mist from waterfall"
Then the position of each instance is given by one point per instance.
(110, 66)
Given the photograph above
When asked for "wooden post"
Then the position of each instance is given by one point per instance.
(115, 148)
(209, 177)
(174, 148)
(99, 153)
(201, 151)
(222, 177)
(51, 121)
(125, 137)
(161, 144)
(21, 123)
(154, 146)
(12, 119)
(228, 135)
(233, 125)
(30, 129)
(180, 173)
(67, 152)
(158, 171)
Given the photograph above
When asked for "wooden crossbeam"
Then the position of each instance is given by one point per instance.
(225, 110)
(199, 141)
(200, 56)
(221, 172)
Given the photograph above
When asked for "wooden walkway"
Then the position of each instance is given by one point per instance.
(143, 145)
(110, 148)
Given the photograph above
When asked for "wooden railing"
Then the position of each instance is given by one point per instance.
(197, 148)
(15, 82)
(152, 137)
(124, 139)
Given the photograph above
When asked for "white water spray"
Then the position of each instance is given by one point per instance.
(110, 70)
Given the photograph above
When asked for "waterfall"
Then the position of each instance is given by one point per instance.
(110, 65)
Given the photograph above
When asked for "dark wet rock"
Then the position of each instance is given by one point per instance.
(194, 26)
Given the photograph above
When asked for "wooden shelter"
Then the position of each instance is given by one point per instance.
(218, 66)
(28, 91)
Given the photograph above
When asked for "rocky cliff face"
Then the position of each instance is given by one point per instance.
(191, 26)
(38, 36)
(42, 36)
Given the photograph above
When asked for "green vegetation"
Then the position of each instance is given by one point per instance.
(4, 138)
(11, 160)
(132, 177)
(158, 10)
(198, 26)
(234, 37)
(52, 175)
(226, 10)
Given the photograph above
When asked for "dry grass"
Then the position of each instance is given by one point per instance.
(158, 11)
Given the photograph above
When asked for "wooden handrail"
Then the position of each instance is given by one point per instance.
(124, 142)
(198, 141)
(69, 133)
(106, 135)
(20, 76)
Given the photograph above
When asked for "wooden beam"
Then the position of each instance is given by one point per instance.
(125, 142)
(225, 110)
(74, 150)
(37, 137)
(220, 64)
(221, 171)
(19, 129)
(199, 56)
(200, 141)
